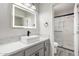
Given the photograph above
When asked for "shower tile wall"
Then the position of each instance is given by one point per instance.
(64, 32)
(58, 30)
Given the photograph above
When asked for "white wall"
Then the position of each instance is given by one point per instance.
(46, 15)
(7, 33)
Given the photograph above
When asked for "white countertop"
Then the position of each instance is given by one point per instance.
(14, 47)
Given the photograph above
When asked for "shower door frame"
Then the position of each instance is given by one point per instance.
(76, 29)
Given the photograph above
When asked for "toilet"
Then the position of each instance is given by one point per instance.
(55, 47)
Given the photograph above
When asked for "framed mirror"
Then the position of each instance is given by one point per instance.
(23, 17)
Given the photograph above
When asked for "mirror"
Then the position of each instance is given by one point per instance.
(23, 17)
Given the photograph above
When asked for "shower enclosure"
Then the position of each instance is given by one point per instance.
(66, 29)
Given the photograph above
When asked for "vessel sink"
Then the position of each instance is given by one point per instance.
(29, 39)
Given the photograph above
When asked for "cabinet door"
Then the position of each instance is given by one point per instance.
(47, 48)
(18, 54)
(34, 49)
(39, 53)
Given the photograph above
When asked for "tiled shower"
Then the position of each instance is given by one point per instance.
(64, 29)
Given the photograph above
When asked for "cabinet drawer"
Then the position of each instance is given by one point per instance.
(33, 49)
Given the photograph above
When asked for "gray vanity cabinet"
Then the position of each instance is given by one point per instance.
(39, 49)
(40, 52)
(36, 50)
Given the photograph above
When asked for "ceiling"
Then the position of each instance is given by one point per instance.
(63, 8)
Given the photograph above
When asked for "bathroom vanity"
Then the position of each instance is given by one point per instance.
(24, 17)
(38, 48)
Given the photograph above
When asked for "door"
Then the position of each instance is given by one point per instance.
(68, 33)
(40, 52)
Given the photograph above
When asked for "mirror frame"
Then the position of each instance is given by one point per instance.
(25, 8)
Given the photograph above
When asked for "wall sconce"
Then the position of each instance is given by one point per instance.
(46, 24)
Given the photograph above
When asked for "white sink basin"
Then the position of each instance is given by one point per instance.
(29, 39)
